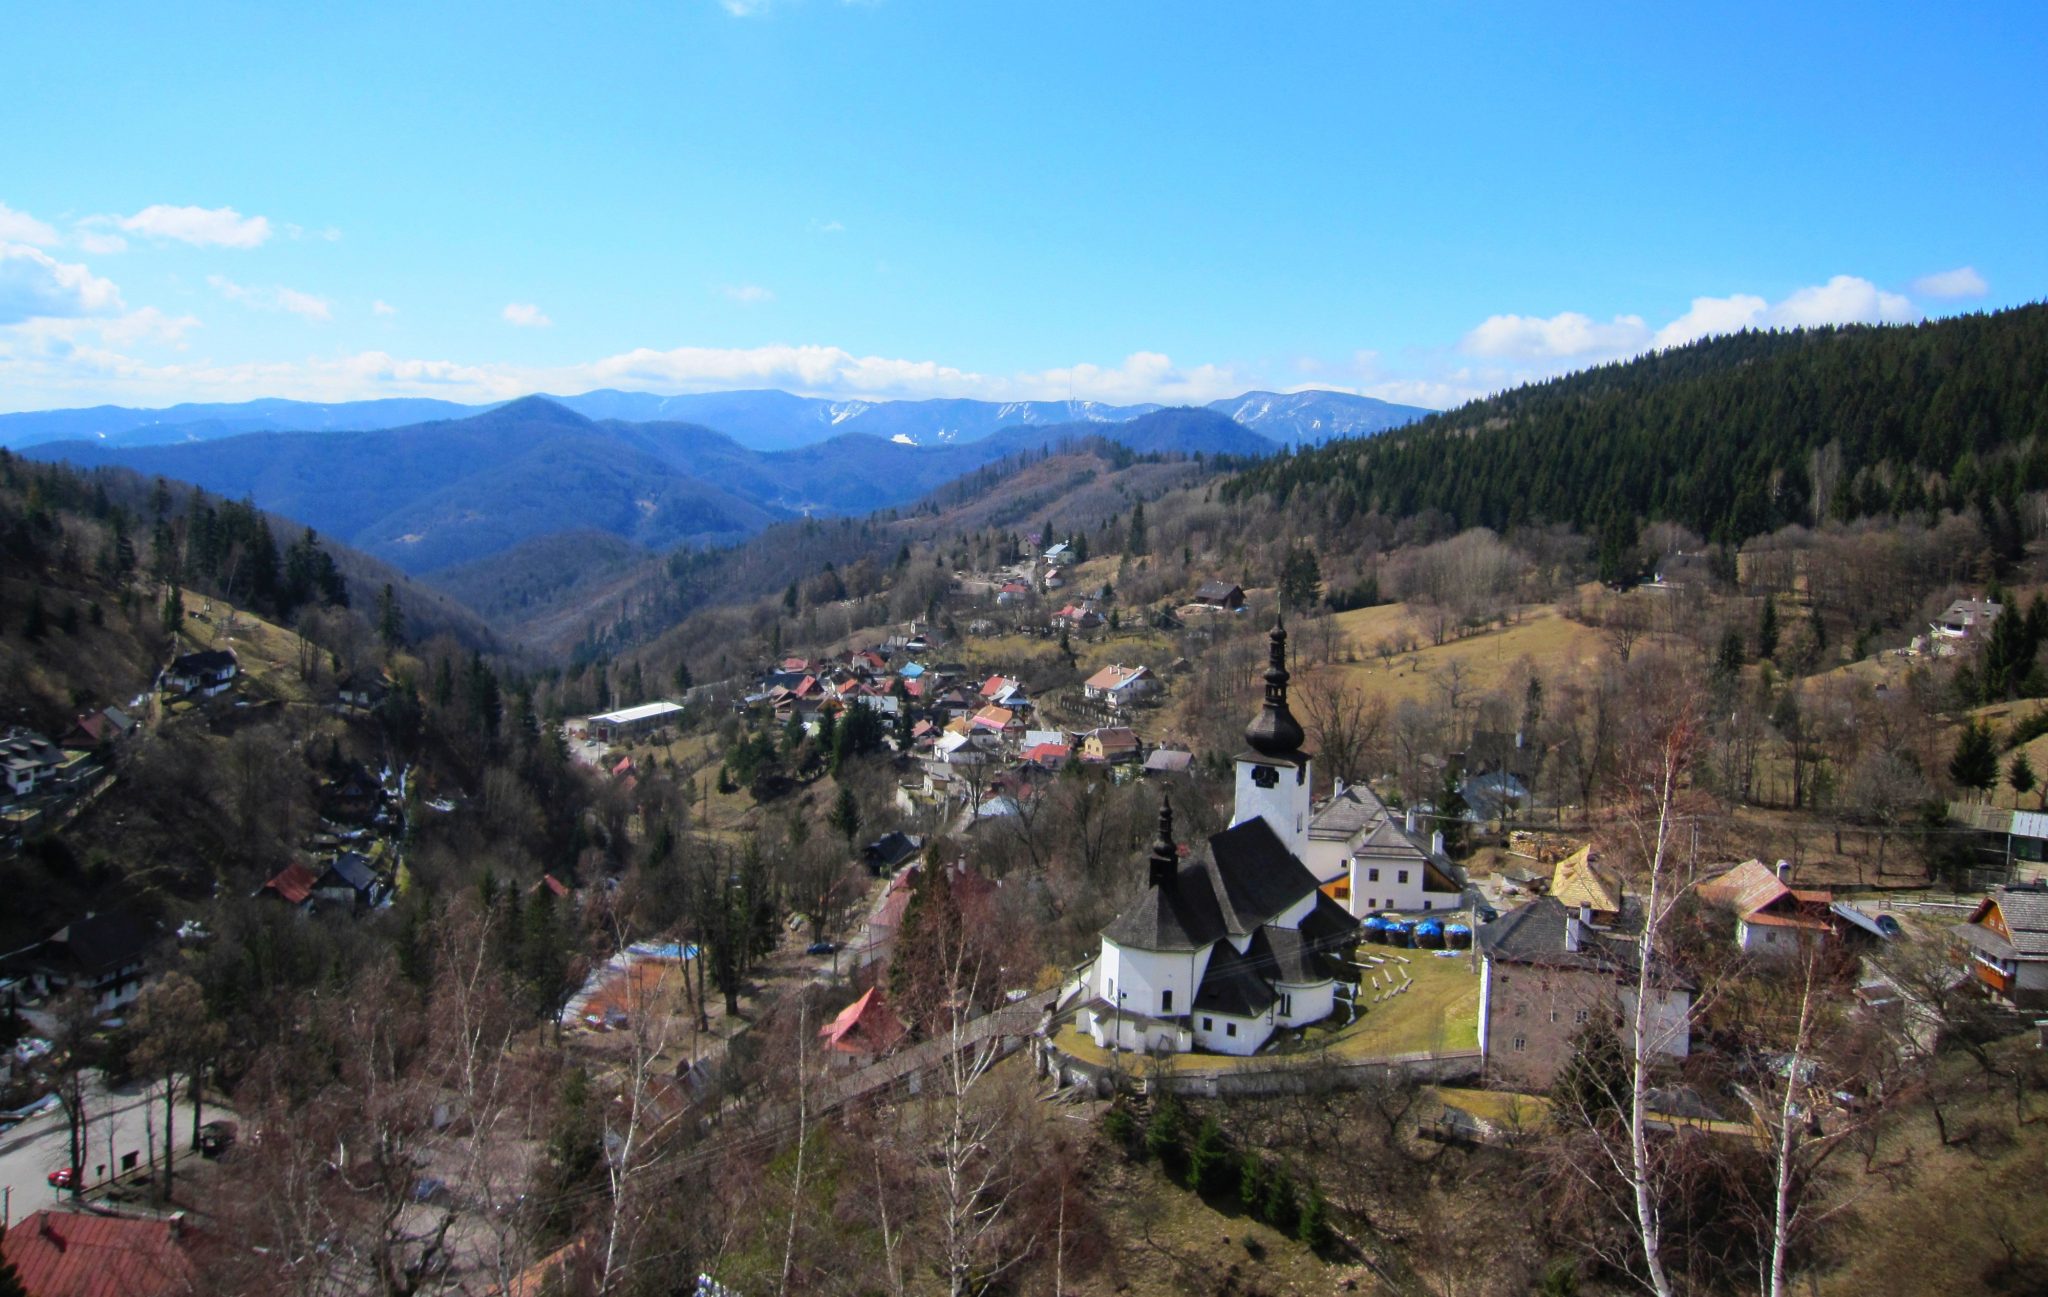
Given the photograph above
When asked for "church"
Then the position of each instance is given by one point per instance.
(1238, 941)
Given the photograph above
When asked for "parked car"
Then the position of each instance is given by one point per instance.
(216, 1138)
(821, 948)
(66, 1177)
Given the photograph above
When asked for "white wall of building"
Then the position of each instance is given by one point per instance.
(1285, 805)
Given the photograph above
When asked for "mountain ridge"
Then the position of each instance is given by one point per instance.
(760, 419)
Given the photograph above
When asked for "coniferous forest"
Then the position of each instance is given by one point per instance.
(1733, 437)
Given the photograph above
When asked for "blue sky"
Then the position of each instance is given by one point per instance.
(896, 199)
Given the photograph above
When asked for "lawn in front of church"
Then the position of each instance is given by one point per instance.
(1438, 1013)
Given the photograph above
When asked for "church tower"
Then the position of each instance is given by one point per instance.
(1273, 773)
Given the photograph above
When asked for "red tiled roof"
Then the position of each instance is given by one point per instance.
(867, 1026)
(624, 764)
(554, 884)
(67, 1254)
(293, 883)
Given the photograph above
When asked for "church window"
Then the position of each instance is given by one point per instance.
(1166, 1001)
(1287, 1006)
(1265, 776)
(1230, 1029)
(1208, 1024)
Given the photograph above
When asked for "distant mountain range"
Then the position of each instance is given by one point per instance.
(435, 495)
(758, 420)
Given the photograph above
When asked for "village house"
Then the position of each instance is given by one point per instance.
(28, 760)
(863, 1030)
(1119, 686)
(88, 1254)
(1169, 761)
(1771, 918)
(203, 675)
(350, 879)
(1110, 745)
(99, 729)
(104, 954)
(2005, 942)
(1225, 596)
(1547, 970)
(1967, 617)
(1223, 949)
(1075, 617)
(1368, 860)
(293, 885)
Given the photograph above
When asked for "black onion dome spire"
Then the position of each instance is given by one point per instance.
(1164, 863)
(1274, 732)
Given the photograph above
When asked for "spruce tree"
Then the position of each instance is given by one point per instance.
(1975, 763)
(1767, 629)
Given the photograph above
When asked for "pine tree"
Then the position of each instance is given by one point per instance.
(173, 614)
(1767, 629)
(1136, 542)
(2020, 775)
(846, 814)
(390, 624)
(1975, 763)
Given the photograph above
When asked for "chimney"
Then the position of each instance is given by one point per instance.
(1571, 933)
(1784, 871)
(1411, 819)
(1164, 862)
(1436, 843)
(1518, 739)
(177, 1223)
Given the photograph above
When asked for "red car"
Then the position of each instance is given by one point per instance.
(65, 1177)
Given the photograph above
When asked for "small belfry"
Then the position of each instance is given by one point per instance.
(1274, 780)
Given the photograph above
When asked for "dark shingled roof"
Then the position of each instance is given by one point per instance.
(1248, 878)
(1535, 934)
(97, 943)
(1281, 955)
(1180, 916)
(1255, 875)
(1231, 985)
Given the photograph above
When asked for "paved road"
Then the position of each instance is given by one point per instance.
(119, 1120)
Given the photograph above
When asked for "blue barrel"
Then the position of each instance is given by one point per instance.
(1375, 929)
(1457, 936)
(1399, 933)
(1429, 934)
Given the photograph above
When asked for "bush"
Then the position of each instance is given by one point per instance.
(1212, 1167)
(1313, 1227)
(1163, 1133)
(1120, 1127)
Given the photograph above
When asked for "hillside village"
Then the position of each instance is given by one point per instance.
(1319, 923)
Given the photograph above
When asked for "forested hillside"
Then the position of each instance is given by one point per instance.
(1732, 437)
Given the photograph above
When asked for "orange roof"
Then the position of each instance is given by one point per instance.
(1114, 677)
(293, 883)
(867, 1026)
(1749, 886)
(66, 1254)
(994, 717)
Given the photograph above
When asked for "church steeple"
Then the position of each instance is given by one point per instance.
(1273, 773)
(1274, 732)
(1164, 862)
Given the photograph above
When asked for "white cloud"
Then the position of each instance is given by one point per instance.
(747, 294)
(305, 305)
(35, 285)
(20, 227)
(526, 315)
(1845, 299)
(1529, 337)
(1963, 281)
(382, 307)
(1711, 315)
(744, 8)
(826, 227)
(199, 226)
(98, 242)
(278, 298)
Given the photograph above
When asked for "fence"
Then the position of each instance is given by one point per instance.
(1299, 1074)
